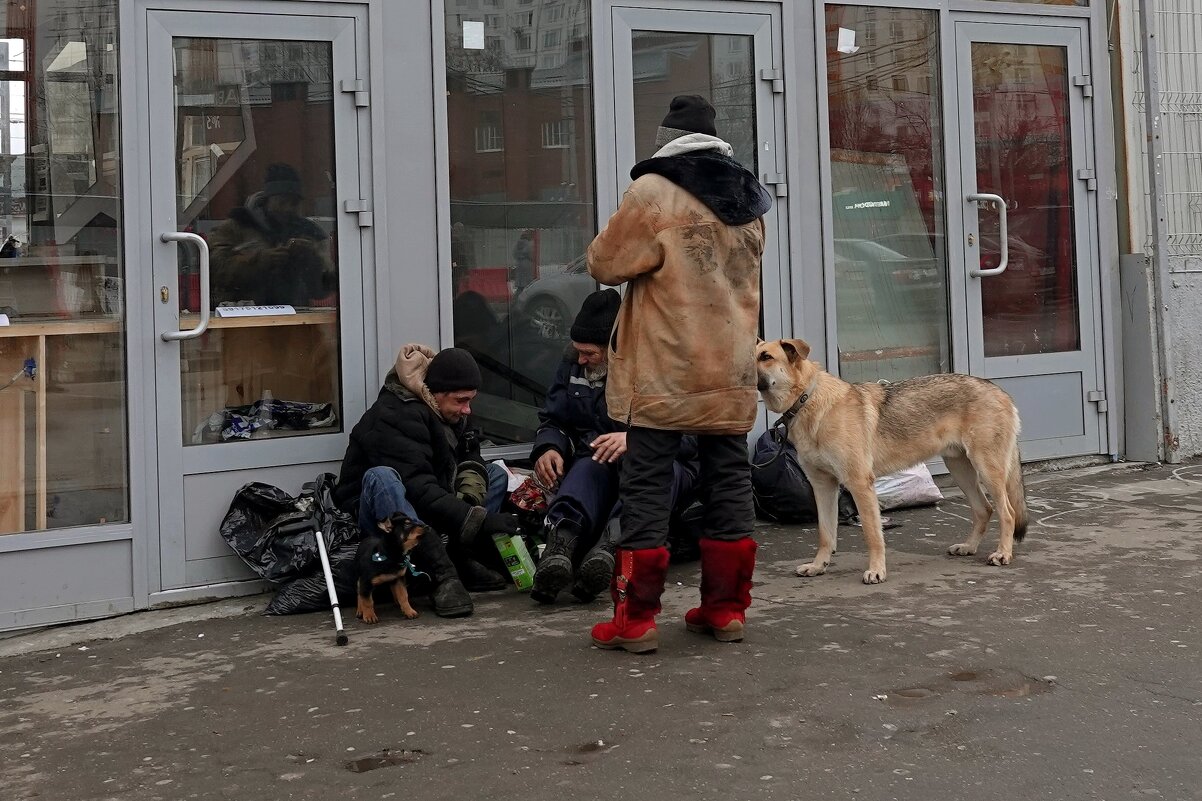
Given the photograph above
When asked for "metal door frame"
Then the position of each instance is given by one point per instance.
(344, 26)
(761, 21)
(963, 216)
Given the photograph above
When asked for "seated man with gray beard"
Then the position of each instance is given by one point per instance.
(579, 447)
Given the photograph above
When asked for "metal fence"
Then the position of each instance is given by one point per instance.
(1177, 113)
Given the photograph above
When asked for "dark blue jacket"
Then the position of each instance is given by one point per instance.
(573, 415)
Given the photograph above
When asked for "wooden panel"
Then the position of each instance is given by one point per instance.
(234, 365)
(53, 327)
(12, 460)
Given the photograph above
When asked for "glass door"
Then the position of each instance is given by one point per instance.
(732, 59)
(1028, 242)
(258, 264)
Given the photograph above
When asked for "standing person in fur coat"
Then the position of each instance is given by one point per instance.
(687, 240)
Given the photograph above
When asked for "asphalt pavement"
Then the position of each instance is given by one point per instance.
(1071, 674)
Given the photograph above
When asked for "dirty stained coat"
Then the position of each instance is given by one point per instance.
(682, 355)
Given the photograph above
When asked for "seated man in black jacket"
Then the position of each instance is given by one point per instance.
(579, 447)
(413, 452)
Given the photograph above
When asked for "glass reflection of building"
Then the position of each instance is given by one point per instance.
(520, 142)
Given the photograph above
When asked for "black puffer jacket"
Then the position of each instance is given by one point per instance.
(400, 431)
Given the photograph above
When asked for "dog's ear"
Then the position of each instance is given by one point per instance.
(413, 532)
(796, 349)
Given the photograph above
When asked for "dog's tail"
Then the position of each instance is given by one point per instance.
(1016, 493)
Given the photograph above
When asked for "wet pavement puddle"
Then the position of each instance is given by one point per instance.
(588, 752)
(384, 759)
(995, 683)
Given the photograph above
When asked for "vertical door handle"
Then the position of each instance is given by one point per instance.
(1004, 256)
(202, 247)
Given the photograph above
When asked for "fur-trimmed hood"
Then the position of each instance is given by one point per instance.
(725, 186)
(407, 378)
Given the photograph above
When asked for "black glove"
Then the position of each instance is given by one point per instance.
(497, 523)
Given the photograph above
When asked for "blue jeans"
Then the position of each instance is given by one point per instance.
(383, 495)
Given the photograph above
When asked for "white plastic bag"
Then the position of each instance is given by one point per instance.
(910, 487)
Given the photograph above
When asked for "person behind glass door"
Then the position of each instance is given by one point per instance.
(688, 238)
(267, 253)
(579, 447)
(415, 452)
(523, 261)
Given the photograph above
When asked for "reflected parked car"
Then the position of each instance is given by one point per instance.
(550, 302)
(905, 270)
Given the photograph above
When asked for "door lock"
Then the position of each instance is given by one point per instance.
(164, 294)
(972, 240)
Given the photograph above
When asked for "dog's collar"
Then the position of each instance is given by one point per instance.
(792, 411)
(413, 571)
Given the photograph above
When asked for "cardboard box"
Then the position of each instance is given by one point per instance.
(517, 559)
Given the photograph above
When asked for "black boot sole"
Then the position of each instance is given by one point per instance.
(593, 578)
(553, 576)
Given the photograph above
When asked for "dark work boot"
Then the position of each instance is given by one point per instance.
(478, 578)
(554, 573)
(597, 568)
(449, 595)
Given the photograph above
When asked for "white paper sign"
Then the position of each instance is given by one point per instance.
(847, 41)
(253, 311)
(473, 35)
(3, 319)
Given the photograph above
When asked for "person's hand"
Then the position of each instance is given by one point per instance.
(608, 448)
(496, 523)
(549, 468)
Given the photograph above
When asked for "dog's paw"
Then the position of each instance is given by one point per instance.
(410, 613)
(961, 549)
(811, 569)
(370, 618)
(997, 559)
(874, 576)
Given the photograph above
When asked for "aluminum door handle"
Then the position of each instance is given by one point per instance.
(202, 248)
(1004, 257)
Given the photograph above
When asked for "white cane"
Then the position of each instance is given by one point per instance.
(340, 637)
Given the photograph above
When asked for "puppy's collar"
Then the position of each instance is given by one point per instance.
(413, 571)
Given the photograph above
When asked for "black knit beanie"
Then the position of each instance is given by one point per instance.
(596, 317)
(452, 370)
(687, 114)
(281, 179)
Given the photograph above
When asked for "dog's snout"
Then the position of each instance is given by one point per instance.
(762, 384)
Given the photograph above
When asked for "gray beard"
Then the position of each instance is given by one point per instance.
(596, 373)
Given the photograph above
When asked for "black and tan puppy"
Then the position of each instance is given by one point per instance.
(383, 559)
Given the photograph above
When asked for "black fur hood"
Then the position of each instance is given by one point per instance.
(724, 185)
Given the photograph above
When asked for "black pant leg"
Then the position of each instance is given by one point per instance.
(726, 487)
(646, 487)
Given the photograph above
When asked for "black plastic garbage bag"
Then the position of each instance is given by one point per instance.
(308, 593)
(779, 487)
(261, 526)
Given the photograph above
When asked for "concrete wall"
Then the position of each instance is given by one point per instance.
(1179, 29)
(1185, 305)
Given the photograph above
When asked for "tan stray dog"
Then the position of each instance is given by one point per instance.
(850, 433)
